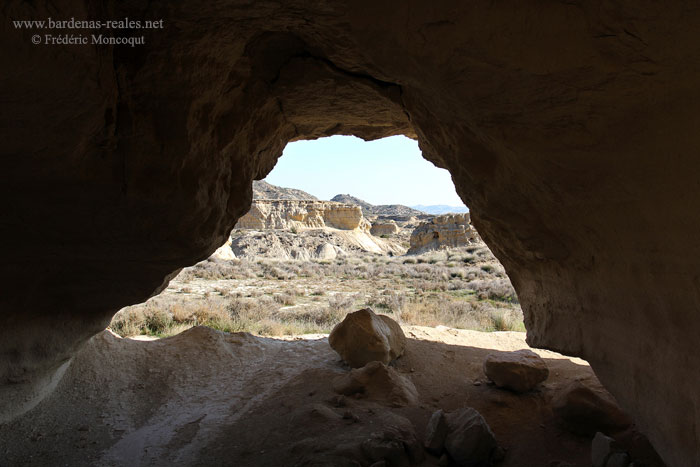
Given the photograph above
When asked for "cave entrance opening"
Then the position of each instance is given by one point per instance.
(340, 224)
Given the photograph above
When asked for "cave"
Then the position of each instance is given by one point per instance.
(569, 129)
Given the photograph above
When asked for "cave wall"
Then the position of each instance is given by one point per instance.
(568, 128)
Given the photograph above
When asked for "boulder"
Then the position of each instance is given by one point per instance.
(601, 447)
(436, 432)
(364, 337)
(326, 251)
(470, 441)
(519, 371)
(396, 445)
(378, 382)
(606, 452)
(585, 409)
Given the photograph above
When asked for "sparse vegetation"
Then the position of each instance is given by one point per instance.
(461, 288)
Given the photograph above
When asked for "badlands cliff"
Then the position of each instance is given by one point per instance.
(302, 214)
(446, 231)
(306, 229)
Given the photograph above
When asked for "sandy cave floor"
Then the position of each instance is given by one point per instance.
(205, 397)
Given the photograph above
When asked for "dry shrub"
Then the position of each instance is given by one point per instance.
(157, 321)
(496, 289)
(323, 318)
(462, 314)
(342, 302)
(427, 290)
(285, 299)
(128, 321)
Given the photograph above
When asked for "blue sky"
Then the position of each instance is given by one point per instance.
(386, 171)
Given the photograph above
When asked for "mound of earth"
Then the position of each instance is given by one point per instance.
(439, 209)
(264, 190)
(205, 397)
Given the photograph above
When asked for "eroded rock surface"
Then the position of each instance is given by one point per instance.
(205, 397)
(380, 228)
(449, 230)
(378, 382)
(301, 214)
(569, 130)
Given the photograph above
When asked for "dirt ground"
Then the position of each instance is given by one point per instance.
(205, 397)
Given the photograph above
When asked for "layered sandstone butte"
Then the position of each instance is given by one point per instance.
(294, 214)
(569, 128)
(446, 231)
(386, 228)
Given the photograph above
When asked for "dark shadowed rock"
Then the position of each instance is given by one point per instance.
(606, 452)
(436, 432)
(519, 371)
(585, 410)
(469, 442)
(395, 445)
(364, 336)
(601, 447)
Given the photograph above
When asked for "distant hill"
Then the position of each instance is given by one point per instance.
(264, 190)
(438, 209)
(378, 210)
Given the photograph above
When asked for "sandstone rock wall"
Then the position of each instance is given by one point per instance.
(569, 129)
(449, 230)
(302, 214)
(380, 228)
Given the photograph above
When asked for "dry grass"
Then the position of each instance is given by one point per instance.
(461, 288)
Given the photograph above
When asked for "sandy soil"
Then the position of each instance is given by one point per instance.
(205, 397)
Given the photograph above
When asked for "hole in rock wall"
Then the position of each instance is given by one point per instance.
(338, 225)
(341, 225)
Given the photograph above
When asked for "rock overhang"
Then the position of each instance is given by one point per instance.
(569, 130)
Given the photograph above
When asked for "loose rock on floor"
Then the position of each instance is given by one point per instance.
(364, 337)
(519, 371)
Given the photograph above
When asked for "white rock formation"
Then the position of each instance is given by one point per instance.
(302, 214)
